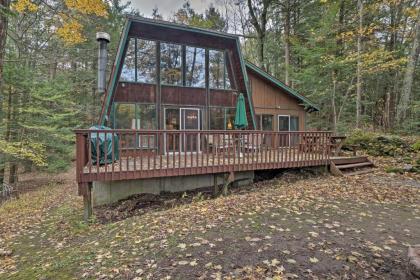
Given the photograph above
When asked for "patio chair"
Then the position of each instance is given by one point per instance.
(253, 142)
(220, 142)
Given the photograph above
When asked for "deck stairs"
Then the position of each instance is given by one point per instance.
(347, 166)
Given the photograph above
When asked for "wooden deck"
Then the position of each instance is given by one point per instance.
(218, 152)
(174, 164)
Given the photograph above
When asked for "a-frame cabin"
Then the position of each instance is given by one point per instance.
(164, 67)
(170, 109)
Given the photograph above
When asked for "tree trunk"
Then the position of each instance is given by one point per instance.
(359, 64)
(8, 127)
(287, 42)
(3, 36)
(261, 51)
(260, 26)
(13, 173)
(403, 105)
(387, 110)
(334, 109)
(193, 67)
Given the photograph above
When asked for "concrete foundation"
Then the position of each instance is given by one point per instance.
(112, 191)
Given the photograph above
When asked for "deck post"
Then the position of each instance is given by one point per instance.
(229, 178)
(215, 185)
(87, 202)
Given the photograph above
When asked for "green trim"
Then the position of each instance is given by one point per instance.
(116, 72)
(281, 85)
(246, 81)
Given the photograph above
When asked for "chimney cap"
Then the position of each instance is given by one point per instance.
(103, 36)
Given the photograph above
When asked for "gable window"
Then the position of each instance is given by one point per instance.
(171, 64)
(139, 62)
(128, 72)
(218, 78)
(146, 61)
(195, 67)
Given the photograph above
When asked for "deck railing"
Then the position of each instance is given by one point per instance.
(135, 154)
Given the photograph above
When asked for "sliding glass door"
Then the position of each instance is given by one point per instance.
(190, 120)
(172, 122)
(183, 119)
(289, 123)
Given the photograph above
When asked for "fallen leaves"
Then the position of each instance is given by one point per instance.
(313, 260)
(252, 239)
(274, 224)
(313, 234)
(182, 246)
(291, 261)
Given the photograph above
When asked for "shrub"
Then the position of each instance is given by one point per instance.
(416, 146)
(379, 145)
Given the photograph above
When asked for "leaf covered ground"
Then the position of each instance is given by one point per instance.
(297, 225)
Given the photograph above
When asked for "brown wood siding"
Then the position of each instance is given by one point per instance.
(271, 100)
(173, 95)
(135, 92)
(183, 96)
(223, 98)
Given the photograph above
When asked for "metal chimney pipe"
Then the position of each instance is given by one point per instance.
(103, 39)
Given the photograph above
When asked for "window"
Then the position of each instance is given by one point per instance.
(195, 67)
(258, 121)
(146, 61)
(136, 116)
(125, 118)
(294, 126)
(125, 115)
(217, 118)
(288, 123)
(222, 118)
(294, 123)
(230, 118)
(267, 122)
(217, 70)
(139, 62)
(284, 123)
(147, 115)
(128, 72)
(171, 64)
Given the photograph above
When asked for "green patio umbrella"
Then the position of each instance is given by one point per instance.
(241, 121)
